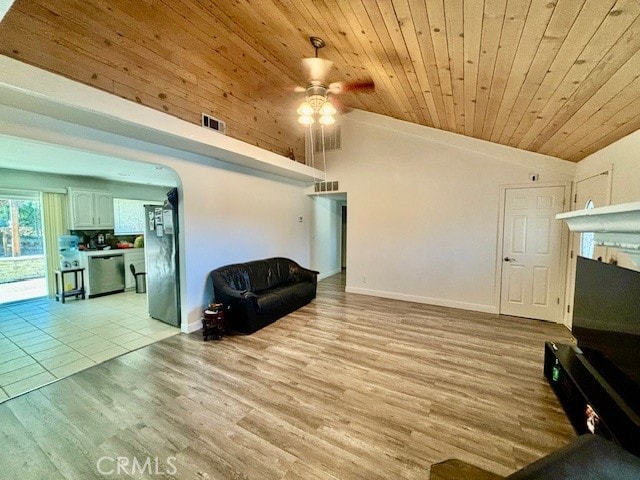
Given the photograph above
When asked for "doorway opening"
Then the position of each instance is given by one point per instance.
(343, 235)
(329, 235)
(22, 258)
(587, 239)
(590, 192)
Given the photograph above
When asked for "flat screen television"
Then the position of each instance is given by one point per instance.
(606, 322)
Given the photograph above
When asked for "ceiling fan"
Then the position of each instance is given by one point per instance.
(317, 102)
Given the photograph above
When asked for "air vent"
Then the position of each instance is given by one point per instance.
(332, 138)
(214, 124)
(326, 187)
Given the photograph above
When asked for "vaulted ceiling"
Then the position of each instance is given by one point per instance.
(560, 77)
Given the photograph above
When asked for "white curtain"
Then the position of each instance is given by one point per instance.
(54, 209)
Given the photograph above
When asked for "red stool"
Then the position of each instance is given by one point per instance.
(213, 321)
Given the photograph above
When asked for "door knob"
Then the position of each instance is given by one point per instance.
(507, 259)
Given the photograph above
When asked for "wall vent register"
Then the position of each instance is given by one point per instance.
(332, 138)
(326, 187)
(214, 124)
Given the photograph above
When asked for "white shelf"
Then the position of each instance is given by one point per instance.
(616, 226)
(621, 218)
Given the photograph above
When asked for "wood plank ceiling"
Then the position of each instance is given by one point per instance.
(560, 77)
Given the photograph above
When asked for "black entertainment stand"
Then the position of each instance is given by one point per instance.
(590, 402)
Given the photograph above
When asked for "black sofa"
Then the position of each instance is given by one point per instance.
(255, 294)
(589, 457)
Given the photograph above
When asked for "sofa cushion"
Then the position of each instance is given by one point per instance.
(269, 302)
(237, 277)
(262, 275)
(267, 274)
(590, 457)
(299, 293)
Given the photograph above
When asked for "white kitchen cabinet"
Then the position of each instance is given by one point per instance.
(81, 204)
(133, 256)
(90, 210)
(104, 210)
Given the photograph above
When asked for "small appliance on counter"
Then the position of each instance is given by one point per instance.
(102, 241)
(69, 255)
(95, 240)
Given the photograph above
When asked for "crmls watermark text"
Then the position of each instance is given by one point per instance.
(133, 465)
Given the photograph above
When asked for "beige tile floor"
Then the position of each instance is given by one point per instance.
(42, 340)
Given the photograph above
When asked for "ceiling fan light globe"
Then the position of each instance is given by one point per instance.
(316, 69)
(306, 120)
(327, 109)
(305, 109)
(327, 120)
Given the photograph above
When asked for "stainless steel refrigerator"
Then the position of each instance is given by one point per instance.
(161, 255)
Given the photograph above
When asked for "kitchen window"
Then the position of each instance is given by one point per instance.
(128, 216)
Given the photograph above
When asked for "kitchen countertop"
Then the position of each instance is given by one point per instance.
(116, 251)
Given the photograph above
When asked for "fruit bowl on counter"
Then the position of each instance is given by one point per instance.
(121, 245)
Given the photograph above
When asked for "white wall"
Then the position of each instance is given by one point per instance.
(423, 209)
(231, 216)
(227, 213)
(326, 235)
(625, 157)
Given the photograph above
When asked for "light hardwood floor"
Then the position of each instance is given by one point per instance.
(349, 386)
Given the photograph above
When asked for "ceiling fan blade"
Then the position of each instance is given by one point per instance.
(355, 86)
(294, 89)
(316, 69)
(339, 106)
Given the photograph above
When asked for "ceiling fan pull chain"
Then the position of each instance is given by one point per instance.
(312, 150)
(324, 155)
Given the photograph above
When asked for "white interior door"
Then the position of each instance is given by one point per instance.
(532, 239)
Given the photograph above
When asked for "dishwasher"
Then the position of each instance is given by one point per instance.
(106, 274)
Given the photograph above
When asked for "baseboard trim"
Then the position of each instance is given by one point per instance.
(440, 302)
(193, 327)
(330, 273)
